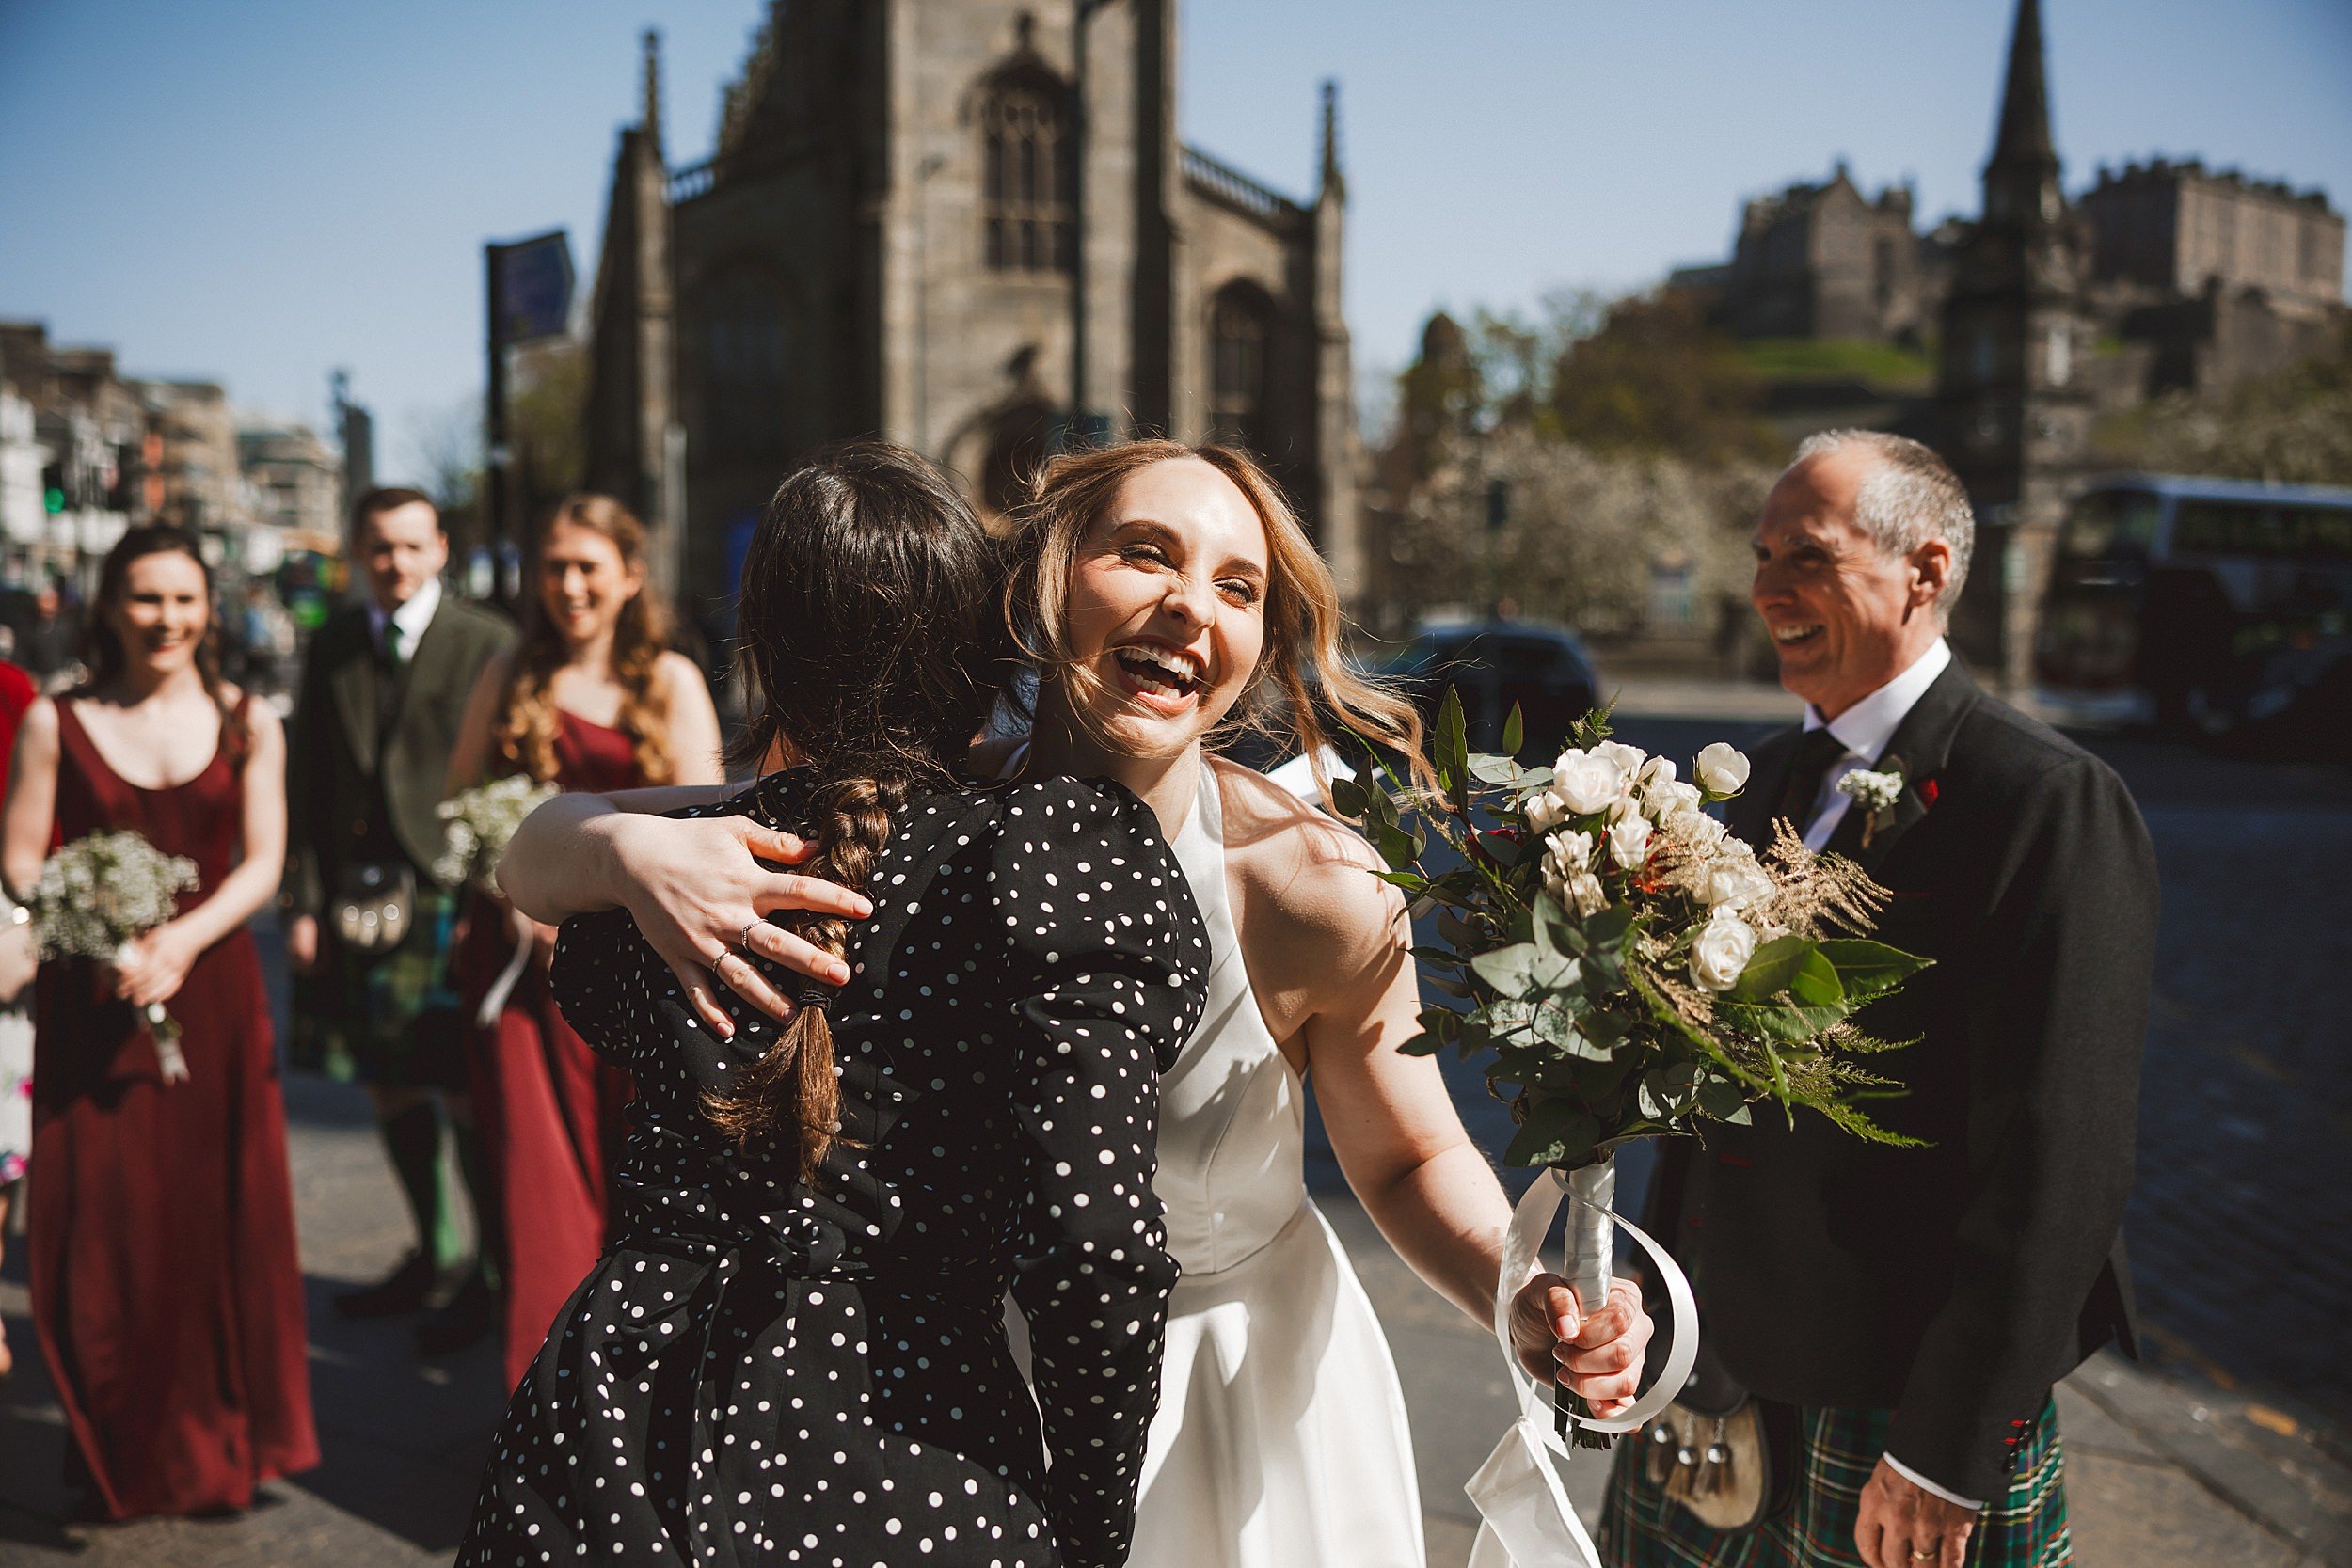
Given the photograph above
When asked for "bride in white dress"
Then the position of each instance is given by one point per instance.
(1156, 587)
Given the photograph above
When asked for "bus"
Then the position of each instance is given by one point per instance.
(2202, 605)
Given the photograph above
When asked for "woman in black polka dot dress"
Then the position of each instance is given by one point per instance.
(790, 1353)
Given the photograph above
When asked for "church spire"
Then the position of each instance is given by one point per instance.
(2024, 136)
(649, 119)
(1332, 180)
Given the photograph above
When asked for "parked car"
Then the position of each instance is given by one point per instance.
(1495, 664)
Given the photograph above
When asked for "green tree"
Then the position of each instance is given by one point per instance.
(1654, 377)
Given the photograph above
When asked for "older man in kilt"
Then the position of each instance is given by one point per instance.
(1898, 1315)
(383, 687)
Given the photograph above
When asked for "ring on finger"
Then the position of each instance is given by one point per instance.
(1919, 1556)
(745, 941)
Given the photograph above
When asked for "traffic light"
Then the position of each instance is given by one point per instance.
(53, 488)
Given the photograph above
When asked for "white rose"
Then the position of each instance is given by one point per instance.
(1629, 840)
(1572, 851)
(1669, 800)
(1721, 951)
(1545, 812)
(1695, 827)
(1629, 759)
(1735, 882)
(1655, 775)
(1586, 781)
(1590, 896)
(1722, 769)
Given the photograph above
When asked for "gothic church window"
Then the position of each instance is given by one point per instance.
(1024, 176)
(1240, 324)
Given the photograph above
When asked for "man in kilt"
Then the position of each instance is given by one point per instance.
(383, 685)
(1900, 1314)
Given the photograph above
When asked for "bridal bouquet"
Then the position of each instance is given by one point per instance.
(99, 893)
(480, 822)
(1624, 967)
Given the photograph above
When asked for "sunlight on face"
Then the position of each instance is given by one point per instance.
(1167, 609)
(1844, 615)
(584, 583)
(163, 612)
(402, 549)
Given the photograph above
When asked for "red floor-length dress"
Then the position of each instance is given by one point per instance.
(166, 1290)
(548, 1108)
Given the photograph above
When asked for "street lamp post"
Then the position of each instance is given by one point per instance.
(1081, 429)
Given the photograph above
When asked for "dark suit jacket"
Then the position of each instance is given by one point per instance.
(369, 752)
(1952, 1284)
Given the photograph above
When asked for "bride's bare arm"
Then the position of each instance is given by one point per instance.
(1329, 951)
(697, 887)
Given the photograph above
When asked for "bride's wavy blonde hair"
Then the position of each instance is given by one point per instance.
(1304, 685)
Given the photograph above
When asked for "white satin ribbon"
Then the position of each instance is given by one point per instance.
(494, 1000)
(1527, 1520)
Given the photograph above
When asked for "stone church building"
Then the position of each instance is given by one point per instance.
(924, 220)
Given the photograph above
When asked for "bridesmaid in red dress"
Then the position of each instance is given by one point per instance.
(590, 699)
(167, 1293)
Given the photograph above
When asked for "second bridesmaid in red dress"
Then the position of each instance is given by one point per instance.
(591, 699)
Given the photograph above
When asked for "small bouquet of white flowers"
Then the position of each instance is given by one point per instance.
(99, 893)
(1626, 967)
(479, 823)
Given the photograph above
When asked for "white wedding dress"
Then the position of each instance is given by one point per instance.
(1281, 1439)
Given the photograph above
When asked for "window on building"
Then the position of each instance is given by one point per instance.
(746, 363)
(1024, 176)
(1241, 321)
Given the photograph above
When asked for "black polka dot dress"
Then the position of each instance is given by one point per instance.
(763, 1372)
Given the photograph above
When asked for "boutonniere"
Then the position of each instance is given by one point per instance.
(1876, 792)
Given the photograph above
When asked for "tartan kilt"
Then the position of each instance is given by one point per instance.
(1837, 1451)
(387, 1018)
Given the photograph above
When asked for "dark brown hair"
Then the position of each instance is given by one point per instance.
(1303, 665)
(388, 497)
(528, 722)
(104, 651)
(872, 623)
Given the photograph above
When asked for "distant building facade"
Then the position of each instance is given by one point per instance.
(1827, 262)
(887, 241)
(2211, 277)
(294, 484)
(2198, 280)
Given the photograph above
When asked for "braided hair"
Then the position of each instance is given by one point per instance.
(871, 625)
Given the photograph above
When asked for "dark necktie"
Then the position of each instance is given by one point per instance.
(1817, 754)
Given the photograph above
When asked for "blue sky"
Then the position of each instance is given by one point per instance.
(261, 191)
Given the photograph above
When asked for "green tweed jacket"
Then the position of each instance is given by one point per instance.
(370, 746)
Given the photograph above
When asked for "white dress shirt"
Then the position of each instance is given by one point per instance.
(411, 618)
(1866, 728)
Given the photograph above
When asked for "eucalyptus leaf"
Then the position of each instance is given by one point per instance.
(1348, 799)
(1522, 968)
(1555, 1133)
(1421, 1045)
(1514, 730)
(1502, 772)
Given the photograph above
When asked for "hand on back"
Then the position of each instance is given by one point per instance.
(702, 888)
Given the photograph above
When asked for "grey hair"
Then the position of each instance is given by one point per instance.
(1912, 496)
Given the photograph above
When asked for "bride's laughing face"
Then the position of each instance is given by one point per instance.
(1166, 618)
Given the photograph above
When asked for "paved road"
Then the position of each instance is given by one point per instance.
(2244, 1208)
